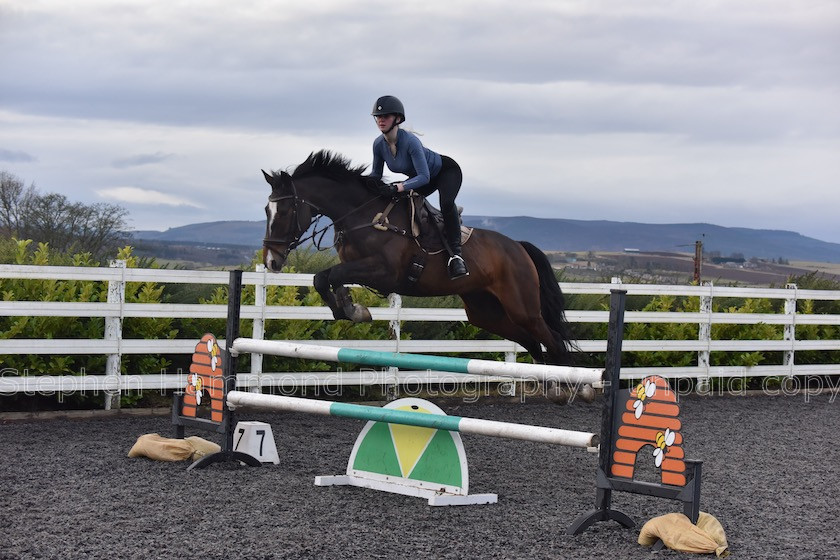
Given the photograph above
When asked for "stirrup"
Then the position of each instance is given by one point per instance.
(457, 267)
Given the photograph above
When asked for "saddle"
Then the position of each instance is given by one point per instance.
(425, 222)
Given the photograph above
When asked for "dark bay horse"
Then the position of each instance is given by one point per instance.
(511, 289)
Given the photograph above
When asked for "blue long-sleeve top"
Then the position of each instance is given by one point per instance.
(413, 159)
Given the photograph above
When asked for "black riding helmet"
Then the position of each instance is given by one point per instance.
(389, 105)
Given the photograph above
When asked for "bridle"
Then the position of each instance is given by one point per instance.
(292, 238)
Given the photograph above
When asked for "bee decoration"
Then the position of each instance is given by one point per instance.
(664, 440)
(643, 391)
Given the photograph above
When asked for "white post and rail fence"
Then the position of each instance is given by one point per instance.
(116, 310)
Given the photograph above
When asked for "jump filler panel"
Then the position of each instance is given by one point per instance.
(650, 417)
(205, 391)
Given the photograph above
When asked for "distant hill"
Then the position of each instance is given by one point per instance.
(602, 235)
(241, 232)
(558, 234)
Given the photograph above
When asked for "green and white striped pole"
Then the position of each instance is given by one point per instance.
(539, 372)
(506, 430)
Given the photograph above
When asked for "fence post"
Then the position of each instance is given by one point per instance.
(395, 302)
(705, 335)
(790, 327)
(113, 331)
(508, 389)
(392, 381)
(258, 329)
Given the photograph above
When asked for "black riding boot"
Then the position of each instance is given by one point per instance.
(456, 265)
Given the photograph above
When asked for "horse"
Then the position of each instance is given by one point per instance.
(511, 289)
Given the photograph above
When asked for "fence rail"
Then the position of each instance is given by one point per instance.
(116, 309)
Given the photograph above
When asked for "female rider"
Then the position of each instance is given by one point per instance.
(427, 171)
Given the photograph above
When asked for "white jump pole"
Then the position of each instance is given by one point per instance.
(506, 430)
(540, 372)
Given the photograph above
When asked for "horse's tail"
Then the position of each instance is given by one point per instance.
(552, 300)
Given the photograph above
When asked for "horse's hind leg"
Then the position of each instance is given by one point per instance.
(485, 311)
(511, 321)
(517, 289)
(522, 308)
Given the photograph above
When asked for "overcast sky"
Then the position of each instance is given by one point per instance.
(659, 111)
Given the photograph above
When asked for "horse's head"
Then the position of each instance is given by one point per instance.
(287, 218)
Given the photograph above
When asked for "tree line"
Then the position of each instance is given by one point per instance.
(66, 226)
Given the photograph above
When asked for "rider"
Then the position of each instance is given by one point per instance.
(427, 171)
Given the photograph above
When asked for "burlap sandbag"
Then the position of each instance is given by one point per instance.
(202, 447)
(159, 448)
(678, 533)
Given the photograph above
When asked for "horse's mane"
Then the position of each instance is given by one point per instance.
(325, 162)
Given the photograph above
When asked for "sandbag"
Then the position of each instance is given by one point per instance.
(159, 448)
(677, 532)
(712, 527)
(202, 447)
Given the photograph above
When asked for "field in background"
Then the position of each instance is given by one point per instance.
(678, 268)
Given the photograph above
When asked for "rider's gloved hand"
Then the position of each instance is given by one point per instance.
(373, 183)
(389, 190)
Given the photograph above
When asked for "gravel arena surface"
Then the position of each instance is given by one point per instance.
(770, 475)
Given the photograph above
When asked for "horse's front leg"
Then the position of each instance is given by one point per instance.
(353, 311)
(331, 284)
(321, 282)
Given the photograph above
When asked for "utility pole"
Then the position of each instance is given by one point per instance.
(698, 260)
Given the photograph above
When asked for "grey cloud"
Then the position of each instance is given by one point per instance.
(506, 71)
(14, 156)
(140, 159)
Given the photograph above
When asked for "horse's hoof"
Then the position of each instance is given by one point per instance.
(563, 394)
(586, 393)
(559, 393)
(359, 314)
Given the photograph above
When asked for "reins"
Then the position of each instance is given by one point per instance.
(293, 240)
